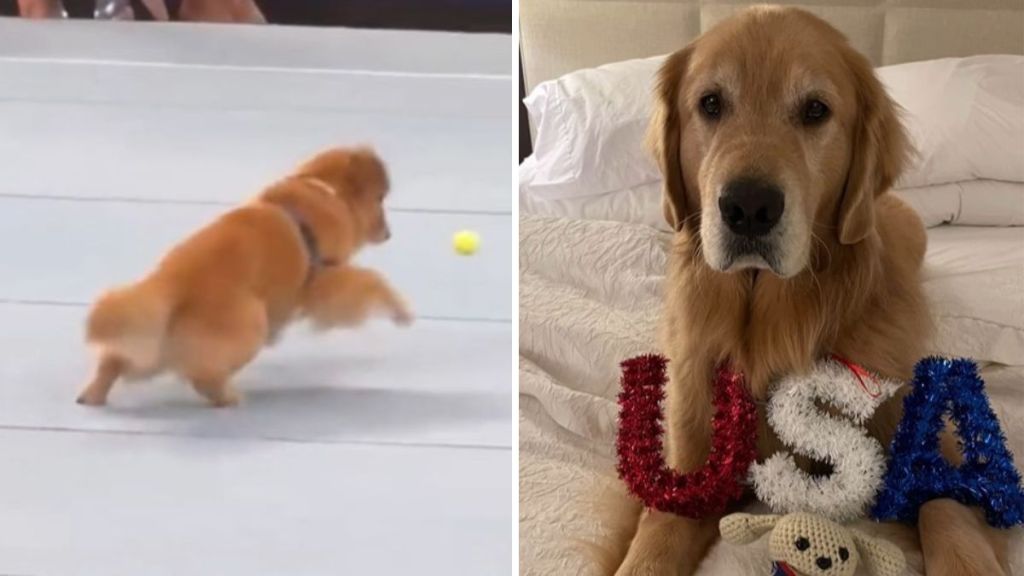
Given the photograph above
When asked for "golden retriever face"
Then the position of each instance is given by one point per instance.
(358, 177)
(772, 130)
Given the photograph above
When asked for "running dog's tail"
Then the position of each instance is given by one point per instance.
(130, 323)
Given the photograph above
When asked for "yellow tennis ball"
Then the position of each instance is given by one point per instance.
(466, 242)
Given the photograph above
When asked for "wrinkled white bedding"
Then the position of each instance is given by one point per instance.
(589, 298)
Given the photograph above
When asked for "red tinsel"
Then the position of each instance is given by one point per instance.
(708, 490)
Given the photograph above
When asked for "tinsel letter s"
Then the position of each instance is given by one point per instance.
(703, 492)
(858, 461)
(917, 470)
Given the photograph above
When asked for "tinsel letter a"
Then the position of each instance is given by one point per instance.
(917, 470)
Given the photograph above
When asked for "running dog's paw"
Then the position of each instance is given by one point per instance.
(402, 316)
(89, 399)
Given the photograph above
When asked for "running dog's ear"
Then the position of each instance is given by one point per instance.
(880, 150)
(348, 170)
(367, 172)
(664, 133)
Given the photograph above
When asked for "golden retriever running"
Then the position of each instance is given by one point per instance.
(225, 292)
(778, 146)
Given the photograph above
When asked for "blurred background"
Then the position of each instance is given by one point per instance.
(451, 15)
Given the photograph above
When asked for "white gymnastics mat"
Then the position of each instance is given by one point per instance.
(372, 451)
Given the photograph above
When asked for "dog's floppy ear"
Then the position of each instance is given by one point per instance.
(883, 558)
(880, 150)
(366, 170)
(347, 170)
(663, 135)
(742, 528)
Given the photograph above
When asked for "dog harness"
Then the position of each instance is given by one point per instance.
(315, 258)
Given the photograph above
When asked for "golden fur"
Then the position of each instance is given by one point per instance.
(224, 293)
(857, 292)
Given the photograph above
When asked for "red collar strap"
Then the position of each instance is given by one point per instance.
(861, 375)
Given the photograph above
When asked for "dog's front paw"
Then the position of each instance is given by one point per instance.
(647, 567)
(955, 540)
(88, 398)
(227, 398)
(402, 316)
(399, 310)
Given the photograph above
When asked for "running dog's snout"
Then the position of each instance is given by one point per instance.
(751, 207)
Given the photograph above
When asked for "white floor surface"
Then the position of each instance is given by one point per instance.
(375, 451)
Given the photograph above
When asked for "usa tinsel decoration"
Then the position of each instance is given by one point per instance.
(720, 481)
(917, 470)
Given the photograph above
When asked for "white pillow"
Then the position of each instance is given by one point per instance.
(589, 128)
(965, 115)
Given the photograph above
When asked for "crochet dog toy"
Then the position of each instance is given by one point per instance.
(808, 545)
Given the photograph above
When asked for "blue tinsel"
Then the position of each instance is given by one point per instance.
(918, 472)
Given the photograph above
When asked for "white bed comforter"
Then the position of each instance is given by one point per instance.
(589, 298)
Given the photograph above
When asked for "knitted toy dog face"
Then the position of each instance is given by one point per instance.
(813, 546)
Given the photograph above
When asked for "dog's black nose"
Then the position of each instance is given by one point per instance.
(751, 207)
(824, 562)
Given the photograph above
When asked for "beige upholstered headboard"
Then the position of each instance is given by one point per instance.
(558, 36)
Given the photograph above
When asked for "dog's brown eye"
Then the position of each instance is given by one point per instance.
(802, 544)
(815, 112)
(711, 106)
(844, 554)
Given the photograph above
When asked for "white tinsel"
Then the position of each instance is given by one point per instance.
(858, 460)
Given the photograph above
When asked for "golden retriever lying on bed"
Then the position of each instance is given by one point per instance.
(220, 296)
(778, 145)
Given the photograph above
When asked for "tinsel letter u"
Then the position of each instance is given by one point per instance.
(703, 492)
